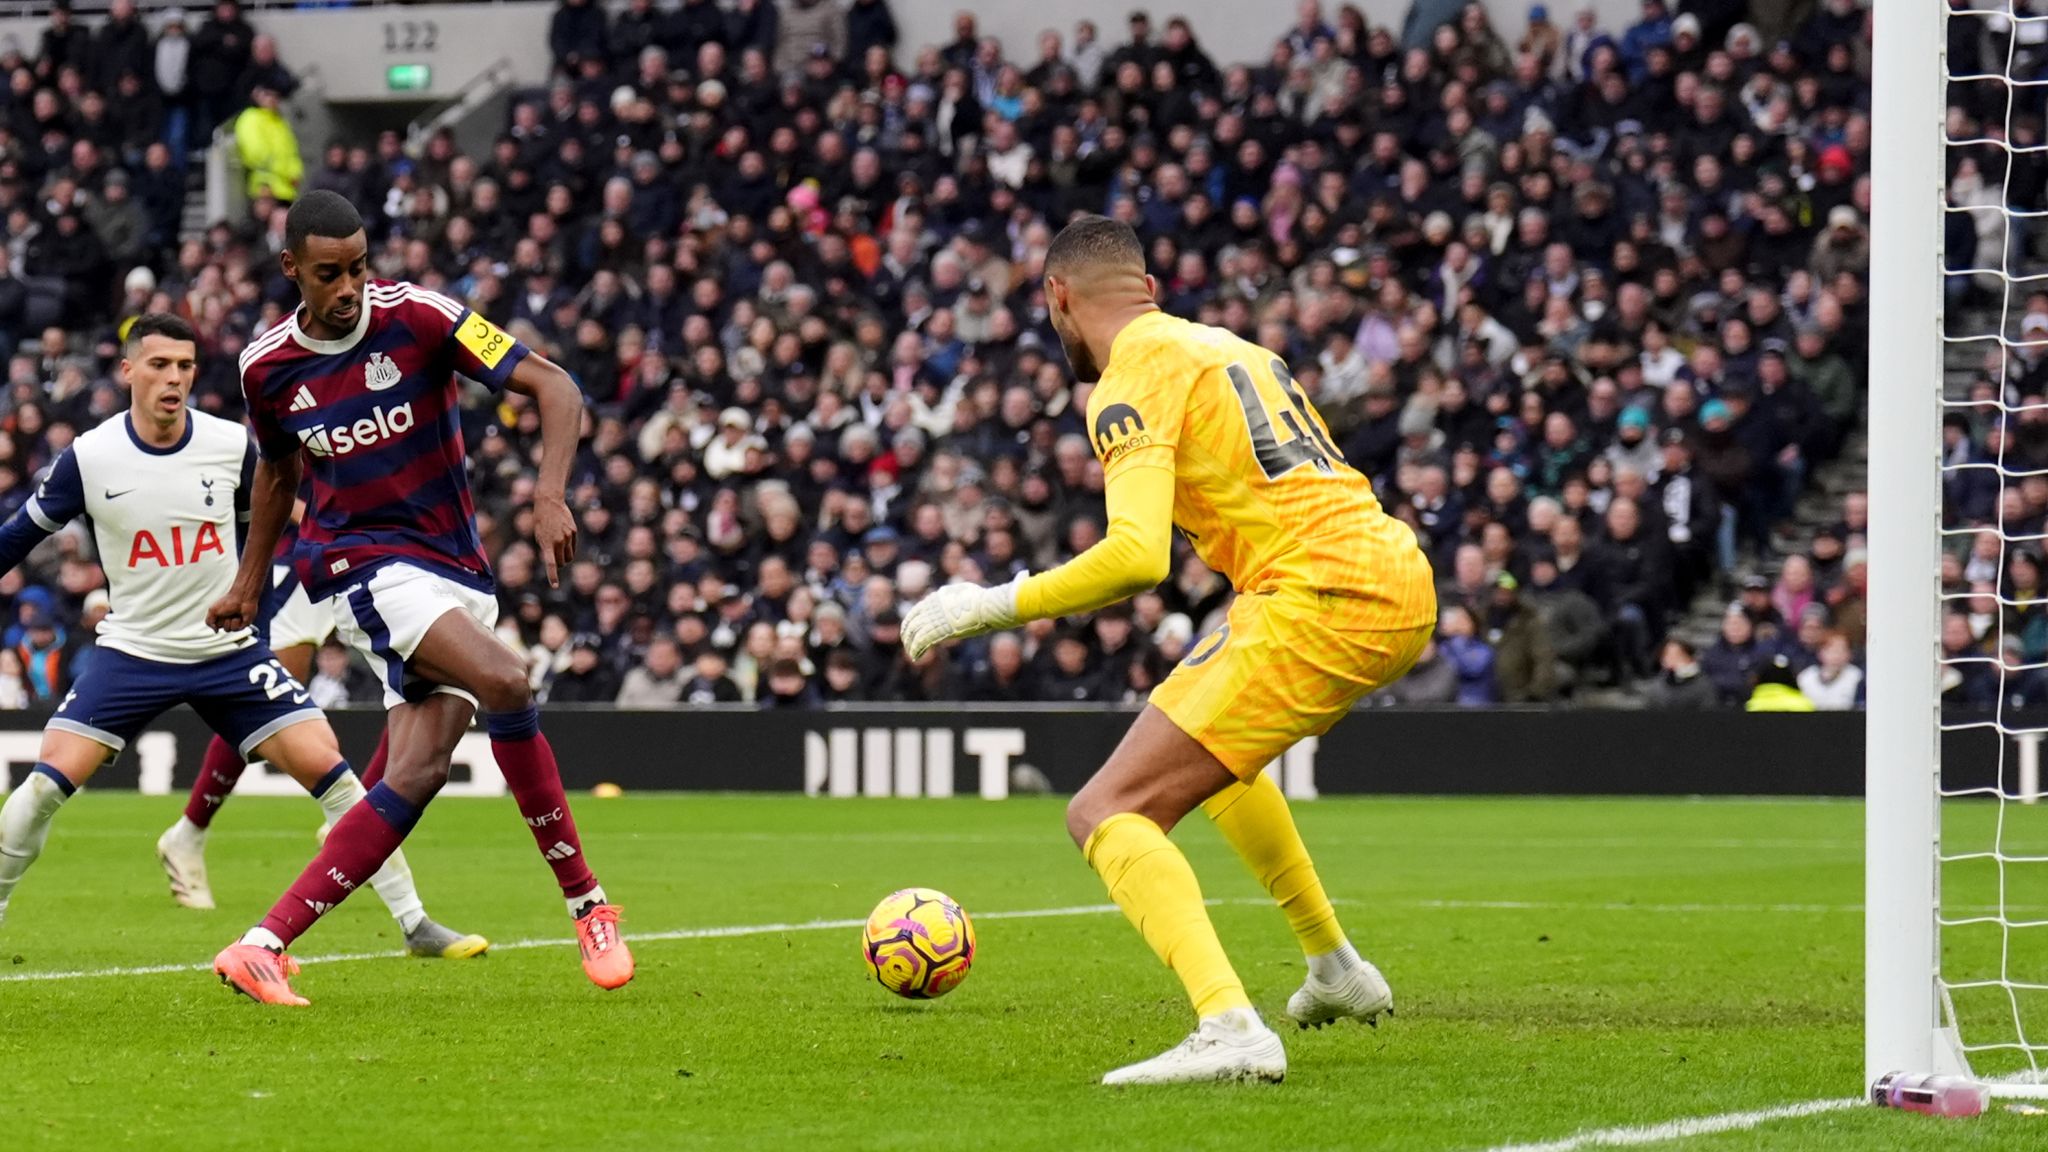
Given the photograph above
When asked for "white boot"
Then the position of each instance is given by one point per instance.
(1358, 992)
(1233, 1045)
(182, 852)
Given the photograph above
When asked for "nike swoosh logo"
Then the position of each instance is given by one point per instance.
(113, 495)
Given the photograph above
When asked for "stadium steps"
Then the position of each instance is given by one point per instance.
(192, 223)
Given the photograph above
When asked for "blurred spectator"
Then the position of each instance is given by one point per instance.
(787, 687)
(1731, 661)
(1524, 664)
(218, 59)
(1068, 678)
(588, 679)
(171, 69)
(658, 681)
(577, 34)
(45, 655)
(1433, 680)
(708, 683)
(1834, 683)
(268, 148)
(1470, 658)
(1776, 688)
(1683, 685)
(14, 693)
(335, 682)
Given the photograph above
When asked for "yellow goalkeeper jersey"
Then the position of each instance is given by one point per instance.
(1259, 488)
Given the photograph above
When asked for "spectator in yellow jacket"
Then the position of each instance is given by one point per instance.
(1777, 688)
(268, 147)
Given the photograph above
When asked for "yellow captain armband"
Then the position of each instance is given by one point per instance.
(485, 340)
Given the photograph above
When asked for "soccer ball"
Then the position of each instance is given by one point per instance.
(918, 943)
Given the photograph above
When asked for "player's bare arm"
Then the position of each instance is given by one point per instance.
(272, 493)
(561, 424)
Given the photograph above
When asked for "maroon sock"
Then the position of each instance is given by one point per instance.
(218, 773)
(357, 846)
(530, 771)
(375, 771)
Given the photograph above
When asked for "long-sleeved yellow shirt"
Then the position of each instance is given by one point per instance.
(1200, 429)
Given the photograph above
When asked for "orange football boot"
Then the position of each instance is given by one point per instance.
(262, 975)
(606, 959)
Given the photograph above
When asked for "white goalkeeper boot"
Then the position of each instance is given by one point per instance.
(1342, 984)
(1233, 1045)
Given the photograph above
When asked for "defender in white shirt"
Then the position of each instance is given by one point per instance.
(166, 489)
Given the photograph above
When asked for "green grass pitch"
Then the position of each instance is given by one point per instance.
(1559, 966)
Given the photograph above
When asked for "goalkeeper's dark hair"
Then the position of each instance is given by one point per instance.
(320, 213)
(1093, 243)
(157, 324)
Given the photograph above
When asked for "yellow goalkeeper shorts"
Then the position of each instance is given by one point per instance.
(1283, 667)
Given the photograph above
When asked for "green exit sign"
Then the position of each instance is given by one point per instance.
(408, 77)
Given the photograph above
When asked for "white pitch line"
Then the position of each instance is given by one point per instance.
(1617, 906)
(731, 930)
(1631, 1137)
(715, 933)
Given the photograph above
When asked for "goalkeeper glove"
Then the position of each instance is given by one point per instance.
(958, 611)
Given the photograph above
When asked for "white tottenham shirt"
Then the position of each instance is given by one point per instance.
(167, 523)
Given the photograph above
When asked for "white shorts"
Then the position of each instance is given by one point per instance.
(386, 617)
(298, 620)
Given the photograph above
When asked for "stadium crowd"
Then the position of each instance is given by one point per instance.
(1588, 304)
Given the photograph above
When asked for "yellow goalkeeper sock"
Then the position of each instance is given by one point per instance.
(1151, 881)
(1254, 819)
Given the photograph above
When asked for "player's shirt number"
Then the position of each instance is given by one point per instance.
(485, 340)
(1306, 444)
(276, 682)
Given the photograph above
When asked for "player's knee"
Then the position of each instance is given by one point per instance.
(1084, 812)
(417, 780)
(504, 688)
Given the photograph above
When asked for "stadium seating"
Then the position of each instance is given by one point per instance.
(1588, 305)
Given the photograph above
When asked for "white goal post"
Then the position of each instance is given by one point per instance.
(1964, 988)
(1902, 835)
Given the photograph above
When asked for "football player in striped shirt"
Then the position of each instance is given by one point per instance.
(166, 489)
(1198, 429)
(357, 390)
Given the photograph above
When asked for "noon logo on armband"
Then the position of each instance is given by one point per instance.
(1118, 430)
(485, 340)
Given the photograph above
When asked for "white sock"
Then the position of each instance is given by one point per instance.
(393, 882)
(189, 832)
(1331, 966)
(593, 897)
(25, 825)
(262, 938)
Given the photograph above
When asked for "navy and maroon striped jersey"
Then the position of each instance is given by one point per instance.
(377, 417)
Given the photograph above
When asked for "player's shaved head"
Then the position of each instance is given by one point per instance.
(320, 213)
(1095, 283)
(1092, 246)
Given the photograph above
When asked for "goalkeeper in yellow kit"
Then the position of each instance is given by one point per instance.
(1201, 430)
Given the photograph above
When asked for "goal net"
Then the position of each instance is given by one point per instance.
(1957, 850)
